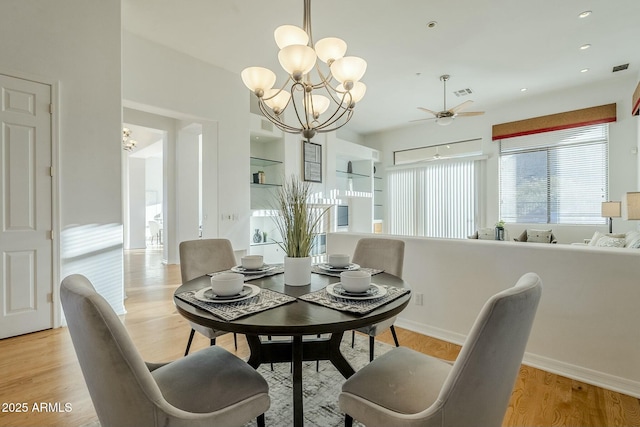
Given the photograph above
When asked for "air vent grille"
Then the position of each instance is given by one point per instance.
(463, 92)
(620, 68)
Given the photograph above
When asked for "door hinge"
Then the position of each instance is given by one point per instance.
(50, 108)
(49, 297)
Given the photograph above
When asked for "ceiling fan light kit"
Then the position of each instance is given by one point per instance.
(446, 116)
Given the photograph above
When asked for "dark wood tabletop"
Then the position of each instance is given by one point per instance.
(298, 317)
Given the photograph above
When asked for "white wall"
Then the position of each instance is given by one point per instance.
(47, 41)
(586, 326)
(135, 237)
(163, 81)
(623, 171)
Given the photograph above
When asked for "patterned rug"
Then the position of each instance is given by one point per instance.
(320, 389)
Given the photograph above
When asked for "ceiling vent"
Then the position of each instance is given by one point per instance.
(463, 92)
(620, 67)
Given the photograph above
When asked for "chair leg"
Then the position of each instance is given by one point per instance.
(193, 332)
(372, 343)
(235, 340)
(348, 421)
(260, 420)
(395, 337)
(353, 338)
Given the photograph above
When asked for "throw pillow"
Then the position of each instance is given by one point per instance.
(539, 236)
(522, 237)
(632, 237)
(611, 242)
(473, 236)
(487, 233)
(598, 235)
(634, 245)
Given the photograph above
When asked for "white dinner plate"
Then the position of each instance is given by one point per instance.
(206, 295)
(374, 291)
(329, 267)
(241, 269)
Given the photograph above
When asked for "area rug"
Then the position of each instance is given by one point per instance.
(320, 389)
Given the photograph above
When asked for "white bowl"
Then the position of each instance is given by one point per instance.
(355, 281)
(338, 260)
(227, 284)
(252, 262)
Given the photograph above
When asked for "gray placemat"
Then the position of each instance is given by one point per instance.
(265, 300)
(278, 269)
(352, 305)
(318, 270)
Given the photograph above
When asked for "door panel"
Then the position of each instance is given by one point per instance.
(25, 207)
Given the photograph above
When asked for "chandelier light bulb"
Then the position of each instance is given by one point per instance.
(348, 69)
(297, 60)
(331, 48)
(286, 35)
(320, 104)
(357, 92)
(276, 100)
(258, 79)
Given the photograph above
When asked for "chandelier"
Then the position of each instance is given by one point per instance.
(335, 91)
(128, 144)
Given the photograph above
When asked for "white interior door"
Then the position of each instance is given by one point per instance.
(25, 207)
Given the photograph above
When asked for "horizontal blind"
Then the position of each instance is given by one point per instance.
(437, 200)
(556, 177)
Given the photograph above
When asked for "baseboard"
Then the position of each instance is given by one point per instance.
(589, 376)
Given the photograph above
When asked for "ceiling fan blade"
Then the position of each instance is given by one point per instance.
(470, 113)
(422, 120)
(462, 106)
(426, 110)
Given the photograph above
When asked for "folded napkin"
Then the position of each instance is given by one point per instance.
(357, 306)
(277, 269)
(228, 311)
(318, 270)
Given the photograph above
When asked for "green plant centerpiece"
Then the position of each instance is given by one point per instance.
(298, 222)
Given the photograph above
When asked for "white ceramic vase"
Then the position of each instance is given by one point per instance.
(297, 271)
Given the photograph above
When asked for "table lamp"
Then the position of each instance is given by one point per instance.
(611, 210)
(631, 206)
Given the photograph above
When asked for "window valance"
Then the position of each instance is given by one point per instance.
(552, 122)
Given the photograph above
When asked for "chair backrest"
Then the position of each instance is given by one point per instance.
(154, 227)
(479, 386)
(120, 384)
(199, 257)
(386, 254)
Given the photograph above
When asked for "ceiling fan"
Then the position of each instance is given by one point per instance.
(437, 155)
(446, 116)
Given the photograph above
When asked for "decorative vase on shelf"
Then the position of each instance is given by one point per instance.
(297, 271)
(257, 237)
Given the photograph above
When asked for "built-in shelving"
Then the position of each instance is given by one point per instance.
(259, 161)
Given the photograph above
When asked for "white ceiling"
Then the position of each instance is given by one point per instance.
(493, 47)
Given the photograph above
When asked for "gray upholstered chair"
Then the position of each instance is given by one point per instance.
(197, 258)
(385, 254)
(210, 387)
(407, 388)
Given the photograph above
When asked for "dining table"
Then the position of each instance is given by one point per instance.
(309, 320)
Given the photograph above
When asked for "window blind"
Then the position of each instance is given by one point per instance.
(436, 200)
(558, 177)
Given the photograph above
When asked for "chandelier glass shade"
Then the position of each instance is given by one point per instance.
(321, 101)
(128, 144)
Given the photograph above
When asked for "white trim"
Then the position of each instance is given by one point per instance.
(589, 376)
(426, 163)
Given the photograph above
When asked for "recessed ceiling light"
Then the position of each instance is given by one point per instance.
(584, 14)
(584, 70)
(585, 46)
(524, 89)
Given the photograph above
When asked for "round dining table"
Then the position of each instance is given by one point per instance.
(295, 320)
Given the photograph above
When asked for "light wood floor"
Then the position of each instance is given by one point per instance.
(42, 367)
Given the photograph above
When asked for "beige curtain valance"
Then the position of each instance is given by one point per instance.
(569, 119)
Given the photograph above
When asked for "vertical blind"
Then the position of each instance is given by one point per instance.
(437, 200)
(558, 177)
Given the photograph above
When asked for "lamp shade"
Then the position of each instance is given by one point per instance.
(348, 69)
(631, 206)
(320, 103)
(276, 100)
(297, 59)
(444, 121)
(357, 92)
(611, 209)
(286, 35)
(258, 78)
(330, 48)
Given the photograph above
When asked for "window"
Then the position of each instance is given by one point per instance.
(436, 200)
(558, 177)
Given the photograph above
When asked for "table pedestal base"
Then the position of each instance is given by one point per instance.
(296, 351)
